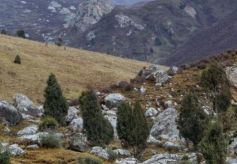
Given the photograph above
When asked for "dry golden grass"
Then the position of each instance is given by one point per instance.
(75, 69)
(52, 156)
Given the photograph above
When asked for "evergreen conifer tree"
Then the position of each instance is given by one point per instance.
(192, 120)
(213, 145)
(55, 104)
(99, 131)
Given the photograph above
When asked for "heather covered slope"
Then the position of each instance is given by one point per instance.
(75, 69)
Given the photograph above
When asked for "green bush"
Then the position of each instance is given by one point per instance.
(55, 104)
(89, 161)
(4, 156)
(99, 131)
(50, 140)
(213, 146)
(192, 117)
(48, 123)
(21, 34)
(17, 59)
(132, 126)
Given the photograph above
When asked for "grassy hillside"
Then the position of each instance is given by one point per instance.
(75, 69)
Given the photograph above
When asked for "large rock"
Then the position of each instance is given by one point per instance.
(76, 124)
(9, 113)
(26, 106)
(170, 158)
(16, 150)
(129, 160)
(79, 143)
(151, 112)
(100, 152)
(231, 160)
(165, 129)
(22, 102)
(122, 152)
(72, 114)
(36, 138)
(233, 147)
(114, 100)
(30, 130)
(112, 118)
(154, 73)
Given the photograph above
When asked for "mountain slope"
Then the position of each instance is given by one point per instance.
(155, 30)
(75, 69)
(214, 40)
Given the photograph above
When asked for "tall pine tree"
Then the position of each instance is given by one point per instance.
(192, 117)
(55, 104)
(132, 126)
(99, 131)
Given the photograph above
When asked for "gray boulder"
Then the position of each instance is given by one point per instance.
(151, 112)
(114, 100)
(16, 150)
(9, 113)
(26, 106)
(30, 130)
(122, 152)
(165, 129)
(130, 160)
(232, 148)
(100, 152)
(79, 143)
(76, 124)
(72, 114)
(112, 118)
(170, 158)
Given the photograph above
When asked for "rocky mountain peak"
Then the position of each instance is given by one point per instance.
(89, 12)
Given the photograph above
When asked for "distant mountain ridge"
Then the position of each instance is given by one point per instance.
(158, 31)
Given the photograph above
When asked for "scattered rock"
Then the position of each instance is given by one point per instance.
(151, 112)
(15, 150)
(100, 152)
(173, 70)
(26, 106)
(165, 129)
(9, 113)
(122, 152)
(72, 114)
(169, 158)
(76, 124)
(114, 100)
(30, 130)
(79, 143)
(154, 73)
(32, 147)
(129, 160)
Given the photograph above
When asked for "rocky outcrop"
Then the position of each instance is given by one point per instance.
(151, 112)
(30, 130)
(76, 124)
(78, 142)
(122, 152)
(165, 129)
(129, 160)
(170, 158)
(9, 113)
(111, 116)
(90, 12)
(154, 73)
(100, 152)
(16, 150)
(114, 99)
(72, 114)
(26, 106)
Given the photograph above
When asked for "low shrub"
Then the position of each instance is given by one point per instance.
(50, 141)
(4, 156)
(48, 123)
(17, 59)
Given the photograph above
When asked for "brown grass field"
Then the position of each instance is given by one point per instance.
(75, 69)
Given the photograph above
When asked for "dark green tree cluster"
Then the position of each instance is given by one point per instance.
(132, 126)
(17, 59)
(21, 34)
(213, 145)
(99, 131)
(55, 104)
(214, 80)
(192, 120)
